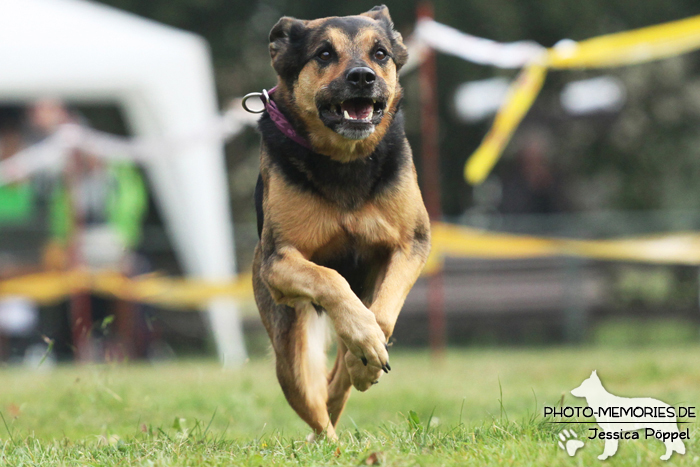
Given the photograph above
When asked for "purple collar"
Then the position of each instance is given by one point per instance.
(278, 117)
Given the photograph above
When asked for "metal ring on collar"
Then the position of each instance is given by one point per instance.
(264, 97)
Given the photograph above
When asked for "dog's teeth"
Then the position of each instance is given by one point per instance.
(346, 115)
(371, 113)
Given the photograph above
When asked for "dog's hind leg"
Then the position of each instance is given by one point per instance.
(301, 366)
(298, 335)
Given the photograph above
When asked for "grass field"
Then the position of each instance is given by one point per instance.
(486, 408)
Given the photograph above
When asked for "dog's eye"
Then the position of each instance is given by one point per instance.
(380, 54)
(325, 55)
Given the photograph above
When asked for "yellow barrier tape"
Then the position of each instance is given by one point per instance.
(448, 240)
(521, 95)
(51, 287)
(625, 48)
(456, 241)
(629, 48)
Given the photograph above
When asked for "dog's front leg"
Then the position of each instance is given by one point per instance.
(402, 271)
(291, 277)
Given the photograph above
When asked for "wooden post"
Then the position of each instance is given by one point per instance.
(430, 161)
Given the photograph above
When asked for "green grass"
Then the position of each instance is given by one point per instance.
(476, 407)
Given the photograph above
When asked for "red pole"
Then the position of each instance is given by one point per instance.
(430, 158)
(80, 306)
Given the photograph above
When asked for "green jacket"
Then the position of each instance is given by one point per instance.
(126, 205)
(16, 202)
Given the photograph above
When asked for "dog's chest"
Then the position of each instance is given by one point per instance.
(359, 252)
(372, 225)
(312, 224)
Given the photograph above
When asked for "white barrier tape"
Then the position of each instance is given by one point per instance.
(417, 49)
(476, 49)
(41, 156)
(51, 153)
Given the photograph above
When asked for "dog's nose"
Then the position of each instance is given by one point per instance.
(361, 76)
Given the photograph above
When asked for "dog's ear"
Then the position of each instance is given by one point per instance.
(283, 35)
(381, 14)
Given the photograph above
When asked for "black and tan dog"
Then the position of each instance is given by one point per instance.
(343, 230)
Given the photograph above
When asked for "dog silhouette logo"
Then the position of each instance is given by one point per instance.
(622, 417)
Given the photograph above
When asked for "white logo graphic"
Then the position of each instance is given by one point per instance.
(620, 417)
(572, 444)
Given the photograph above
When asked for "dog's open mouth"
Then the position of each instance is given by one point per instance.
(354, 118)
(358, 109)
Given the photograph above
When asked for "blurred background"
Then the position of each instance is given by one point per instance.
(609, 153)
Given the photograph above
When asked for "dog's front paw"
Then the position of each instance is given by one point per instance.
(362, 376)
(365, 340)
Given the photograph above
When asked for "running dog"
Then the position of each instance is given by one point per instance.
(343, 230)
(616, 415)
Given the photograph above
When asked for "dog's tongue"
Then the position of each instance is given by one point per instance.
(357, 109)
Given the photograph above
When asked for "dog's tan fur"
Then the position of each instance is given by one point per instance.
(302, 229)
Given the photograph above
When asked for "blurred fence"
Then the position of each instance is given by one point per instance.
(539, 280)
(448, 241)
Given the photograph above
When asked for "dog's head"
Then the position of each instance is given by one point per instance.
(338, 76)
(590, 386)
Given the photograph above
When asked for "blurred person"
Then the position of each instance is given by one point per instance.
(11, 140)
(530, 185)
(18, 315)
(95, 216)
(16, 200)
(107, 199)
(47, 115)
